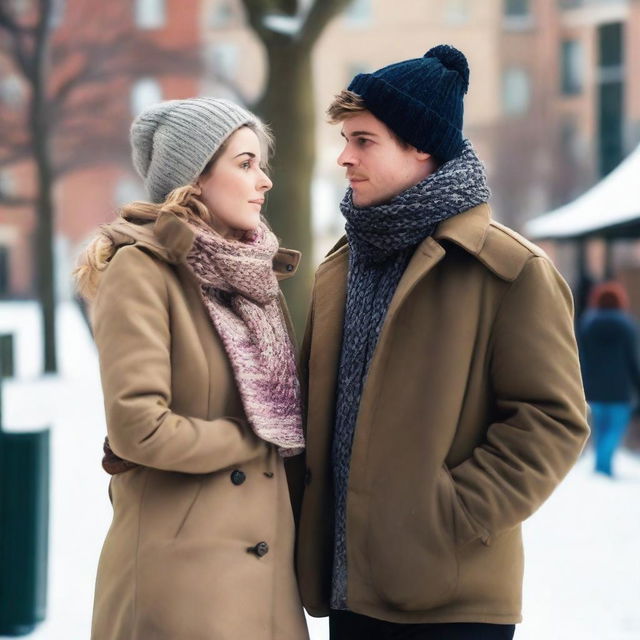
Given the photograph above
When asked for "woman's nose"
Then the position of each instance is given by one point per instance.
(265, 182)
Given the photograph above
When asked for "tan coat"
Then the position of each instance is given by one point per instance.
(175, 564)
(471, 414)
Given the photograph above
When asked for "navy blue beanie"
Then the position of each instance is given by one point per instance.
(420, 100)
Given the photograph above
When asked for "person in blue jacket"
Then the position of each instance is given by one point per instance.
(610, 369)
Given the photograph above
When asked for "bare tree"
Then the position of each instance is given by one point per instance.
(77, 85)
(289, 30)
(29, 43)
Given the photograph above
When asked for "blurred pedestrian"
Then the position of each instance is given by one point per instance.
(201, 393)
(442, 376)
(610, 368)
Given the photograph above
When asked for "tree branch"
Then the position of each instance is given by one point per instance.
(256, 11)
(320, 14)
(7, 200)
(16, 154)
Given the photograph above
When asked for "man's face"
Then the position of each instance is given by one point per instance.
(378, 166)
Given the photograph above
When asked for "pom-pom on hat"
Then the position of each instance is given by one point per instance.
(172, 141)
(420, 100)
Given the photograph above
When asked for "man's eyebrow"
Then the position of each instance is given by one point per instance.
(245, 153)
(355, 134)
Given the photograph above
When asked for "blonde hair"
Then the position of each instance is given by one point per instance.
(184, 202)
(345, 105)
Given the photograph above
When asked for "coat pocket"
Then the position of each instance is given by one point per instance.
(464, 529)
(191, 504)
(168, 501)
(413, 541)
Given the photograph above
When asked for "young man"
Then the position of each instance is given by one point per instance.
(444, 401)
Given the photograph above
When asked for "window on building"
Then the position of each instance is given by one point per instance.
(610, 41)
(223, 59)
(221, 14)
(12, 90)
(8, 185)
(517, 15)
(457, 12)
(359, 13)
(4, 270)
(144, 93)
(20, 7)
(516, 91)
(150, 14)
(573, 144)
(57, 13)
(610, 95)
(572, 67)
(570, 4)
(516, 8)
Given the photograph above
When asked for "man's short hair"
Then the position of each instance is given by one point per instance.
(348, 104)
(345, 105)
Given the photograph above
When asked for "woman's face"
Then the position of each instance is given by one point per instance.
(233, 189)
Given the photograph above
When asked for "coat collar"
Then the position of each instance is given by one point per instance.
(170, 239)
(467, 229)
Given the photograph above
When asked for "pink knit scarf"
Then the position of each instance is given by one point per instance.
(240, 291)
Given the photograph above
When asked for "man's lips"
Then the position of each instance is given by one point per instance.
(258, 202)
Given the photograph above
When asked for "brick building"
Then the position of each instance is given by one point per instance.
(117, 39)
(554, 101)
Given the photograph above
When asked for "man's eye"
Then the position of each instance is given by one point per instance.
(362, 141)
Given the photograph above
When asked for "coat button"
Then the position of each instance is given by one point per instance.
(289, 267)
(307, 476)
(238, 477)
(261, 549)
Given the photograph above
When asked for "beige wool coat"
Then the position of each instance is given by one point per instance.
(471, 413)
(182, 559)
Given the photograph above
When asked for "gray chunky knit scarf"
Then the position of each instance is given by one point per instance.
(240, 292)
(382, 239)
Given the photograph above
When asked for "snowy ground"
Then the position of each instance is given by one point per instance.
(582, 571)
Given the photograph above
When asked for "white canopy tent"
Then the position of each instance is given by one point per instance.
(613, 203)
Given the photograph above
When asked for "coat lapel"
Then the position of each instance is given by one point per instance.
(330, 295)
(424, 258)
(467, 229)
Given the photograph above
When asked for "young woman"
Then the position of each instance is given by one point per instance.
(200, 388)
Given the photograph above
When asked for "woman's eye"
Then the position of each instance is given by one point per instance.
(246, 164)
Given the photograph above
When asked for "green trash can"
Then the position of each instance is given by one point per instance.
(24, 528)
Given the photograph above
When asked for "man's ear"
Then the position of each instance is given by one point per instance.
(422, 155)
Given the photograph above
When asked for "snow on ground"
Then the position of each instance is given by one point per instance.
(583, 558)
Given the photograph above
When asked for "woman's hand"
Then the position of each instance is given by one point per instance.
(113, 463)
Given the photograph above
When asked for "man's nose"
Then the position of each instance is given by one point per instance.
(346, 158)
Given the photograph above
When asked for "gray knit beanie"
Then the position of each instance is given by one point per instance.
(172, 141)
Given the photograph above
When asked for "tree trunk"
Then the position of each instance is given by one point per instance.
(44, 241)
(44, 204)
(288, 106)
